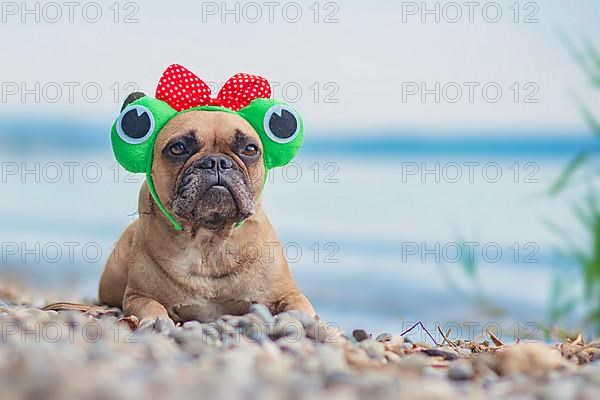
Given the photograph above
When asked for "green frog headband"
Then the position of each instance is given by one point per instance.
(134, 132)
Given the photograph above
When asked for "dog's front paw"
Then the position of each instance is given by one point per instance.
(160, 324)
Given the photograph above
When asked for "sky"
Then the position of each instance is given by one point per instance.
(348, 66)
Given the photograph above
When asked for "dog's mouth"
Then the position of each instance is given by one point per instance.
(213, 197)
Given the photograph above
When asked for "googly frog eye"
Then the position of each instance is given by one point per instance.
(281, 123)
(135, 124)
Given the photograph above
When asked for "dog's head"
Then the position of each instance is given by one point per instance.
(205, 166)
(210, 167)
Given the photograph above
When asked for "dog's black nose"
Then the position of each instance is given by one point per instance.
(215, 161)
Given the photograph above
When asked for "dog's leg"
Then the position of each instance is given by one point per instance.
(114, 278)
(151, 313)
(294, 300)
(112, 284)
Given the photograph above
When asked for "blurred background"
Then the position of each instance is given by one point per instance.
(449, 168)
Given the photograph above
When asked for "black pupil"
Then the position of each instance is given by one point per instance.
(283, 126)
(134, 125)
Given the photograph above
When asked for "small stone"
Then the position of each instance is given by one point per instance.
(591, 373)
(383, 337)
(287, 326)
(463, 352)
(261, 311)
(360, 335)
(528, 358)
(236, 322)
(211, 330)
(161, 325)
(446, 355)
(271, 349)
(431, 372)
(397, 345)
(73, 317)
(392, 357)
(459, 371)
(26, 313)
(307, 320)
(415, 362)
(296, 347)
(374, 349)
(164, 325)
(189, 325)
(340, 377)
(195, 347)
(324, 333)
(256, 332)
(224, 328)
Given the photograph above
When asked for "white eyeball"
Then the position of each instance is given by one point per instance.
(281, 123)
(135, 124)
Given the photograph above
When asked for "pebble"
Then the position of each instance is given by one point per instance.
(446, 355)
(374, 349)
(383, 337)
(261, 311)
(431, 372)
(529, 358)
(461, 371)
(591, 372)
(287, 326)
(307, 320)
(261, 356)
(296, 347)
(324, 333)
(192, 325)
(360, 335)
(391, 356)
(225, 328)
(26, 313)
(397, 345)
(463, 352)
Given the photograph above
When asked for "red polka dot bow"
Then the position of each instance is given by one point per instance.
(182, 90)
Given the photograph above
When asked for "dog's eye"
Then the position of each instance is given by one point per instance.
(135, 124)
(281, 123)
(250, 150)
(178, 149)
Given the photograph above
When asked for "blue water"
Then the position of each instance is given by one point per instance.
(354, 206)
(61, 134)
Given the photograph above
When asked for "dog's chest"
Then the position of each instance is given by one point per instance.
(217, 271)
(188, 261)
(215, 286)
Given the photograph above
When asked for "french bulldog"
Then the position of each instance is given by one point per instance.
(208, 170)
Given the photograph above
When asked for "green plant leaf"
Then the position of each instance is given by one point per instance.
(569, 171)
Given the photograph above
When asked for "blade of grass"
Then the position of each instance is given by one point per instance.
(569, 171)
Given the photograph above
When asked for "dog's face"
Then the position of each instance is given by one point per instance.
(209, 168)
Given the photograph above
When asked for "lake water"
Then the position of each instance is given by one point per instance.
(374, 239)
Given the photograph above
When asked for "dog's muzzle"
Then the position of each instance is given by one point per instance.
(213, 190)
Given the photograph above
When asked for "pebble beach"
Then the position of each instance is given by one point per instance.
(63, 351)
